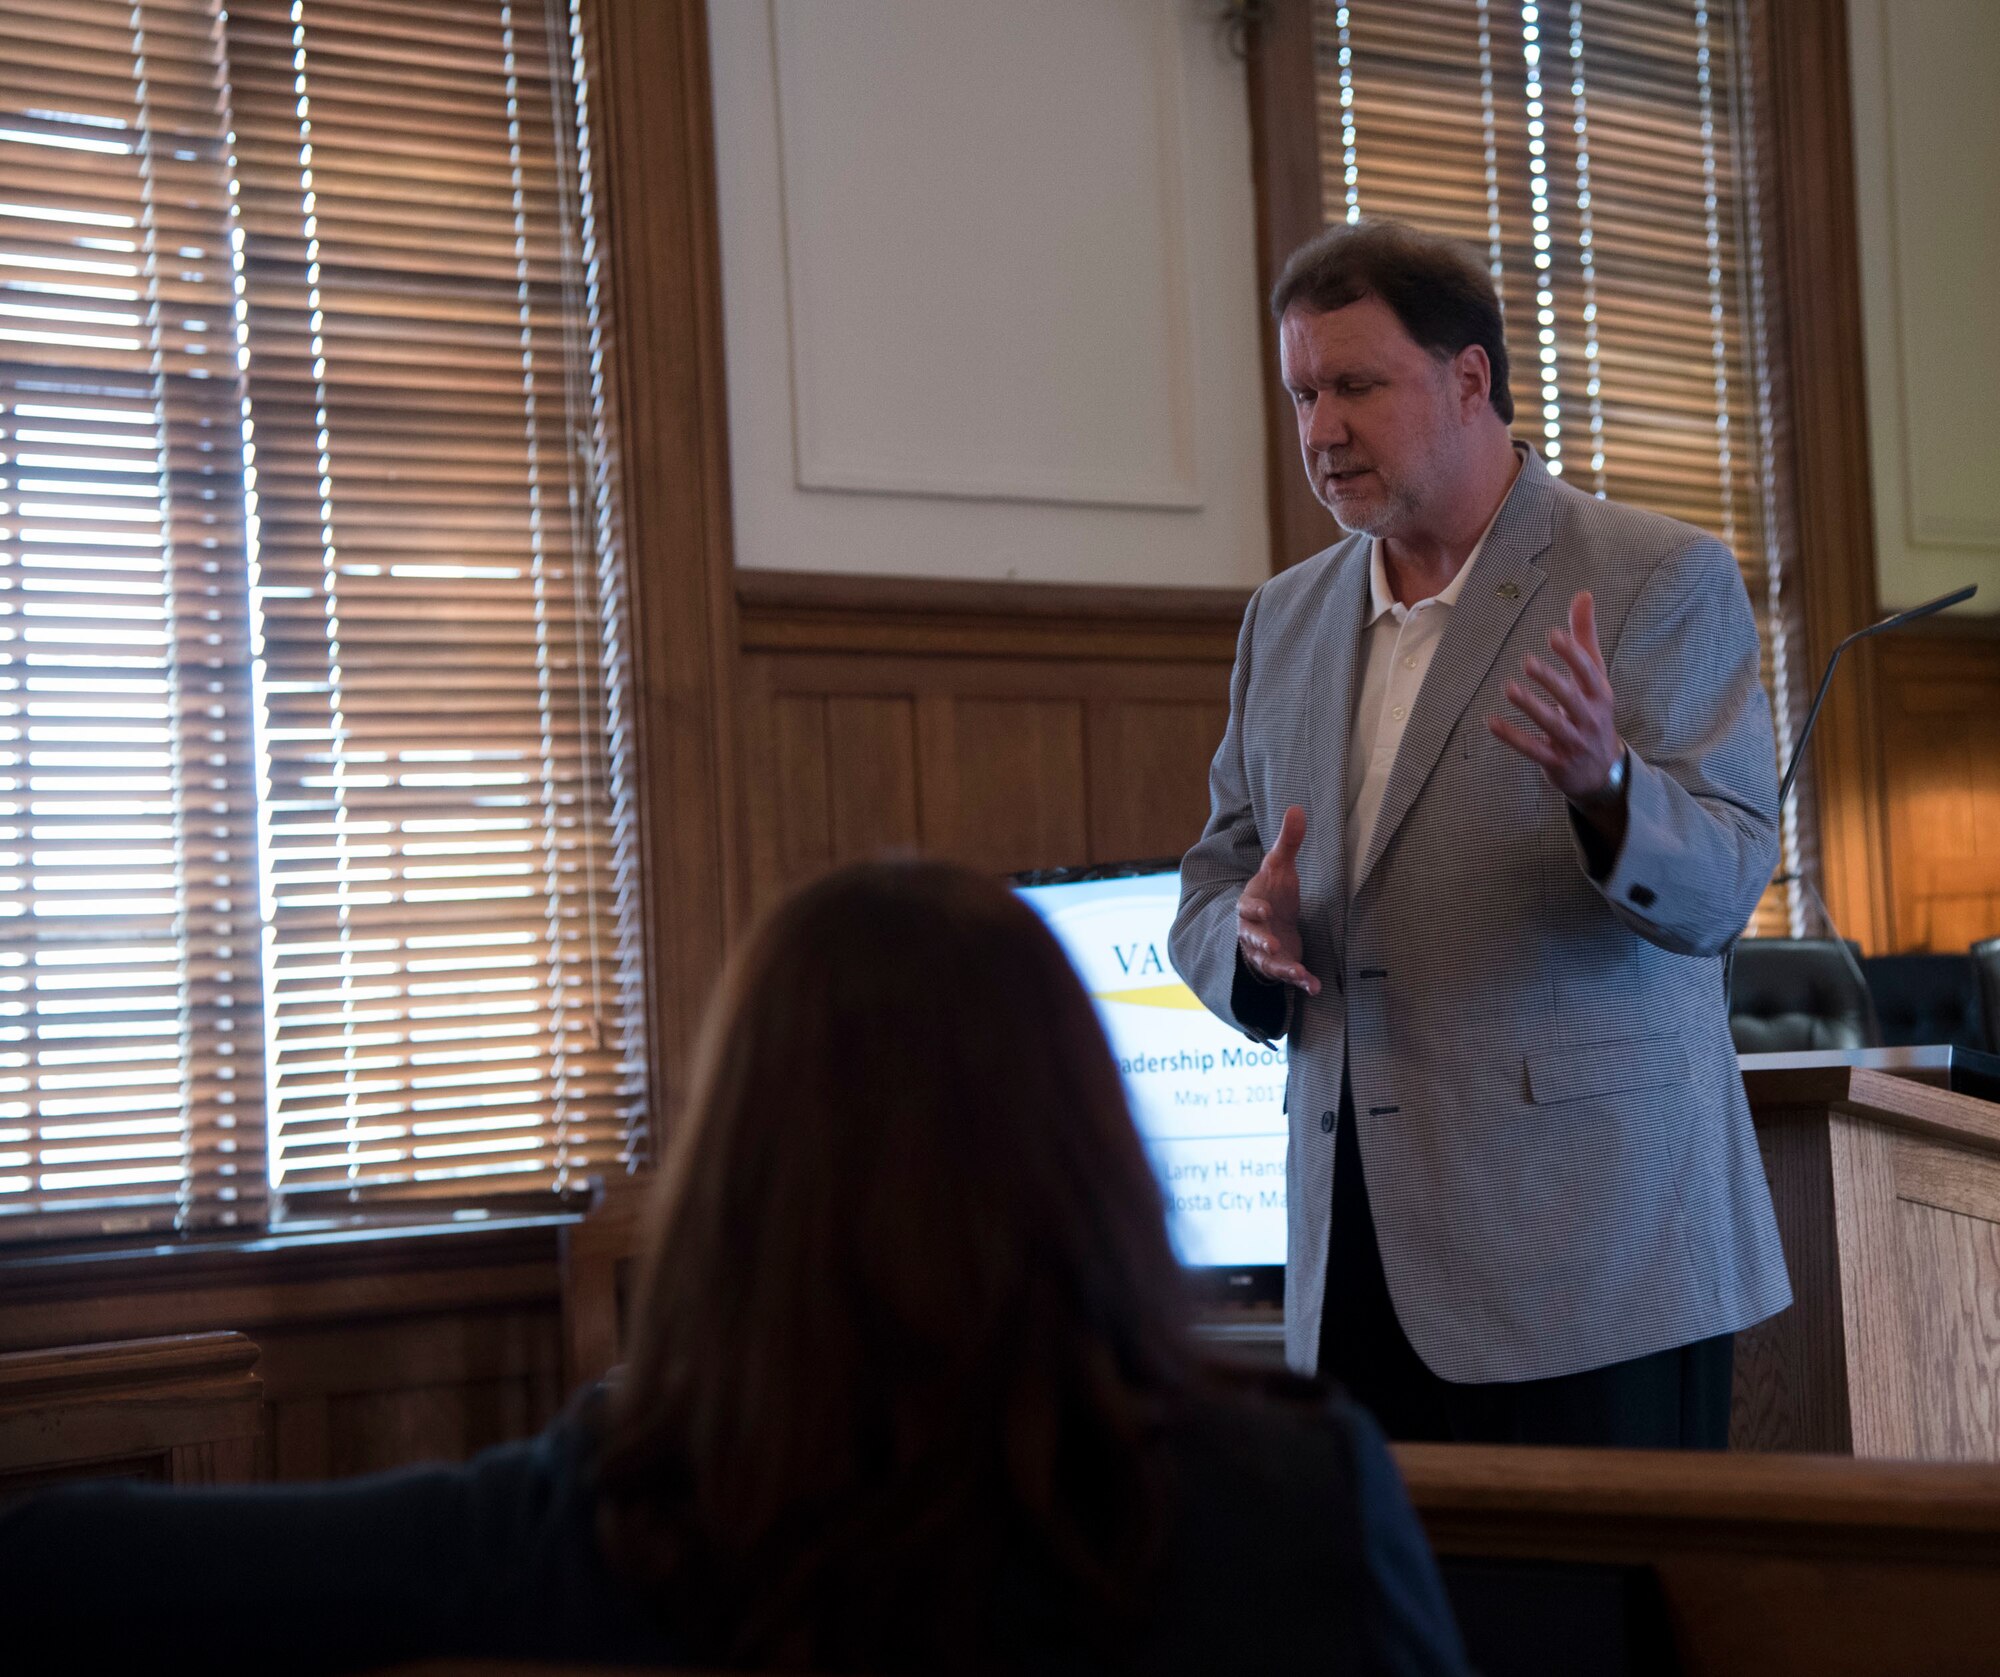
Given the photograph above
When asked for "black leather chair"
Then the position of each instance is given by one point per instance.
(1791, 994)
(1986, 965)
(1925, 999)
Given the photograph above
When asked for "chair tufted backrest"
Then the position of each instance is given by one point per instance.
(1986, 967)
(1791, 994)
(1925, 999)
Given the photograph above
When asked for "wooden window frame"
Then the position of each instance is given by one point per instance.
(1807, 113)
(653, 125)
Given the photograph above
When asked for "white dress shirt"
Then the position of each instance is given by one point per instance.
(1397, 645)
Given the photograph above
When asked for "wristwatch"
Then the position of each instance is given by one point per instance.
(1613, 788)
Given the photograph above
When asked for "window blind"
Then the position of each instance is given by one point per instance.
(131, 1092)
(334, 780)
(1600, 153)
(436, 797)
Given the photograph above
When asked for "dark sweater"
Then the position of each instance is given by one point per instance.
(1294, 1549)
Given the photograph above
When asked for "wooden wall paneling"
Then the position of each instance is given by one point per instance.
(368, 1396)
(1008, 726)
(1003, 765)
(787, 813)
(301, 1444)
(1800, 50)
(1148, 774)
(871, 773)
(1283, 88)
(599, 1262)
(184, 1408)
(937, 766)
(1940, 717)
(801, 770)
(355, 1397)
(232, 1461)
(57, 1300)
(1012, 770)
(370, 1432)
(1057, 679)
(374, 1351)
(806, 611)
(654, 140)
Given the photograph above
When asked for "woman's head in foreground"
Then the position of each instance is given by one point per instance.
(909, 1285)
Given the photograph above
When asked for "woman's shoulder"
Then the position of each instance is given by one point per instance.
(1267, 1464)
(1294, 1544)
(1281, 1419)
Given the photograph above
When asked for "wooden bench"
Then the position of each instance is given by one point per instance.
(186, 1410)
(1764, 1564)
(1757, 1565)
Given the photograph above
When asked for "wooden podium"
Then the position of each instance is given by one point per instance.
(1887, 1188)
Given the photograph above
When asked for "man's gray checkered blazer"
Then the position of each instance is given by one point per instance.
(1558, 1149)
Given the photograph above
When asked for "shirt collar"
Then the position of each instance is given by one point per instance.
(1382, 599)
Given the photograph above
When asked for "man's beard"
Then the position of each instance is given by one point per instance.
(1379, 513)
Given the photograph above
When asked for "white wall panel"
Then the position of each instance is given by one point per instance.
(990, 289)
(1927, 173)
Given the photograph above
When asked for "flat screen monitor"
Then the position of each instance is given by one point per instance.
(1208, 1102)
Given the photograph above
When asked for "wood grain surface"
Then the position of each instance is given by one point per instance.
(885, 715)
(1284, 162)
(1791, 1369)
(1813, 283)
(1936, 1173)
(1776, 1563)
(653, 147)
(187, 1409)
(1940, 719)
(1887, 1193)
(1877, 1331)
(372, 1351)
(1950, 1277)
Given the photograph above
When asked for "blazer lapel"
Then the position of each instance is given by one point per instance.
(1329, 721)
(1502, 581)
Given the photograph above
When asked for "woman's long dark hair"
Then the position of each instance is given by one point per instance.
(909, 1319)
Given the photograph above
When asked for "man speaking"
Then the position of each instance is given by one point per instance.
(1497, 790)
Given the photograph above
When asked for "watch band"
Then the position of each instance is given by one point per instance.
(1614, 783)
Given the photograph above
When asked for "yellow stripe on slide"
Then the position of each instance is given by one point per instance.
(1155, 995)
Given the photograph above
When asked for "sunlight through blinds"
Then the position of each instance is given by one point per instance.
(130, 1037)
(443, 942)
(315, 860)
(1600, 155)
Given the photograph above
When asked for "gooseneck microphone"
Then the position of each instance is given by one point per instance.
(1928, 608)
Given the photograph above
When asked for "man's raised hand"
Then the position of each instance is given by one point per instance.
(1267, 913)
(1578, 743)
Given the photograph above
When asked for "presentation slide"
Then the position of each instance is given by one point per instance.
(1208, 1101)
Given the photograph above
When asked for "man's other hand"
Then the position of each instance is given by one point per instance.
(1578, 743)
(1267, 914)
